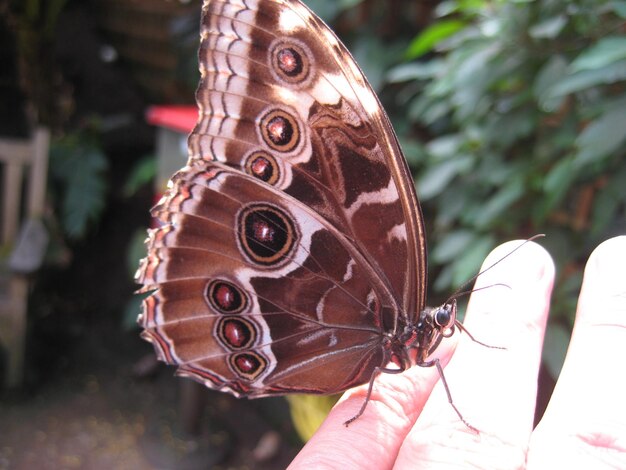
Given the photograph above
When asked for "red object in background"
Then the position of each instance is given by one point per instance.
(177, 118)
(174, 123)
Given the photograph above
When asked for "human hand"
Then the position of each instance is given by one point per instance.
(409, 423)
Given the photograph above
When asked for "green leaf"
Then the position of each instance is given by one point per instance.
(431, 36)
(606, 52)
(468, 263)
(142, 173)
(452, 245)
(450, 206)
(585, 79)
(443, 282)
(83, 201)
(413, 71)
(499, 203)
(472, 78)
(78, 165)
(375, 57)
(468, 7)
(436, 178)
(556, 184)
(413, 150)
(428, 111)
(559, 176)
(603, 136)
(509, 127)
(548, 28)
(551, 72)
(605, 207)
(445, 146)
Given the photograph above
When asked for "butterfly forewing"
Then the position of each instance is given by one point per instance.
(292, 241)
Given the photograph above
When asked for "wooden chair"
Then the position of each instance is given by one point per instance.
(24, 166)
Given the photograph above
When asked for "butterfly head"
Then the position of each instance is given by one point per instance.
(432, 326)
(443, 318)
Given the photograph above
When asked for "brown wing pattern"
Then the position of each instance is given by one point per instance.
(293, 238)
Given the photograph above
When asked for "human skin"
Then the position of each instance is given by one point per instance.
(409, 424)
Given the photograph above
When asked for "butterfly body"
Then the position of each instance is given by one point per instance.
(291, 256)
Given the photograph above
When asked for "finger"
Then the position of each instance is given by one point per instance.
(373, 440)
(494, 389)
(585, 423)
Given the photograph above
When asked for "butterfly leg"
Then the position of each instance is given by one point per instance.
(375, 374)
(460, 326)
(435, 363)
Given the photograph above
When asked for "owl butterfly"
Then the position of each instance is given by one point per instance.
(291, 256)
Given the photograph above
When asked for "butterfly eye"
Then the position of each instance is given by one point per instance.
(442, 317)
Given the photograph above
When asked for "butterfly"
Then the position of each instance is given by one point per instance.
(292, 255)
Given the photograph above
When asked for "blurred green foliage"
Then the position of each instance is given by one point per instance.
(524, 105)
(78, 181)
(142, 173)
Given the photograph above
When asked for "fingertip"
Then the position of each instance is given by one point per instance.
(513, 290)
(518, 260)
(507, 310)
(605, 268)
(594, 354)
(603, 295)
(369, 442)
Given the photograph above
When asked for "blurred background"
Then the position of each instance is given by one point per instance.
(512, 115)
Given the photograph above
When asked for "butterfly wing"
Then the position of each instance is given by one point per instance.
(293, 238)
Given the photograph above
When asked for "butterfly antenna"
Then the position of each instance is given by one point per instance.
(461, 292)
